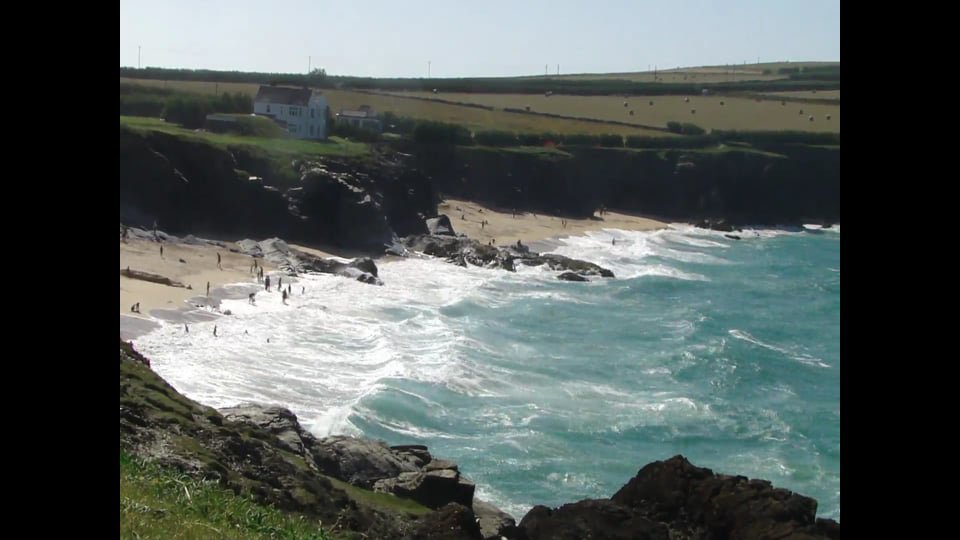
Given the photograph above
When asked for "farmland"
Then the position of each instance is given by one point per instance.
(473, 118)
(739, 113)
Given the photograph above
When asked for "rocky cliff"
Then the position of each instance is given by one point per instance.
(192, 186)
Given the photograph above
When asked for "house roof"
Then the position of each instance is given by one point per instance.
(284, 96)
(357, 114)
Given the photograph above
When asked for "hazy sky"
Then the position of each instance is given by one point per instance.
(396, 38)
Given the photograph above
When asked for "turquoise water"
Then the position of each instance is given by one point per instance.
(547, 392)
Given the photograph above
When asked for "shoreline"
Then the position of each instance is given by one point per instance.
(505, 228)
(193, 262)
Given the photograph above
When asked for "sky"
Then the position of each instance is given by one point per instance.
(461, 38)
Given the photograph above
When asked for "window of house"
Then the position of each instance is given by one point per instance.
(268, 107)
(292, 128)
(293, 111)
(311, 130)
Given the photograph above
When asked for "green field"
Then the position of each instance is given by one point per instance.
(474, 119)
(280, 147)
(736, 112)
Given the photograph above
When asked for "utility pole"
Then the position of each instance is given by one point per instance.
(138, 56)
(428, 69)
(558, 70)
(546, 70)
(309, 64)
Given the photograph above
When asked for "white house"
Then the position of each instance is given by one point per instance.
(303, 112)
(363, 117)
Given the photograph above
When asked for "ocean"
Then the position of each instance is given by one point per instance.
(548, 392)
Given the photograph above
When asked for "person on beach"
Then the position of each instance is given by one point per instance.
(208, 288)
(280, 282)
(186, 329)
(218, 261)
(289, 290)
(214, 330)
(303, 290)
(613, 241)
(161, 251)
(267, 283)
(284, 292)
(250, 298)
(135, 308)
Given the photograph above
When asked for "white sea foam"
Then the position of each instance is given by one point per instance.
(799, 357)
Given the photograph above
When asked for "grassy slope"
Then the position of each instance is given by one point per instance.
(335, 146)
(157, 502)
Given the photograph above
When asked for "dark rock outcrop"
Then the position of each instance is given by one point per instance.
(494, 523)
(560, 262)
(452, 522)
(363, 462)
(406, 471)
(570, 276)
(431, 487)
(295, 261)
(675, 499)
(462, 251)
(440, 225)
(601, 519)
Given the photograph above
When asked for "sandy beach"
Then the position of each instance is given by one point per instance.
(532, 229)
(159, 301)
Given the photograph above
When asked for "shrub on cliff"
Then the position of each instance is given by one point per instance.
(191, 111)
(611, 140)
(429, 132)
(354, 133)
(496, 138)
(685, 128)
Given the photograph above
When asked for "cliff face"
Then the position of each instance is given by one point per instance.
(785, 185)
(193, 187)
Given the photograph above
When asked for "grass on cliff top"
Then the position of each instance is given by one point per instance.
(385, 502)
(335, 146)
(160, 503)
